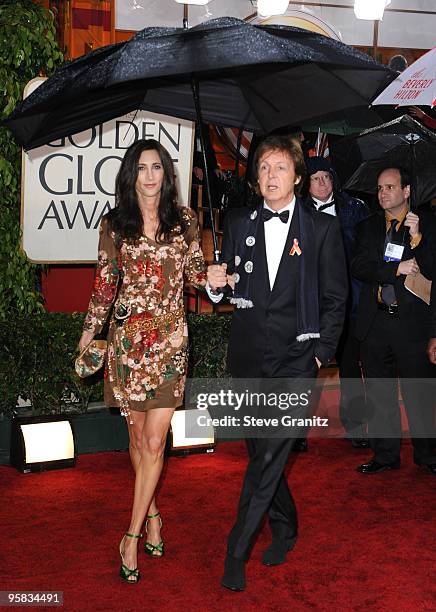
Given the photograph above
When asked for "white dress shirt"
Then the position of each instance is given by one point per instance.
(276, 233)
(330, 210)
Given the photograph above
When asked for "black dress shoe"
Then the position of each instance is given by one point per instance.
(360, 442)
(276, 552)
(300, 445)
(234, 574)
(374, 467)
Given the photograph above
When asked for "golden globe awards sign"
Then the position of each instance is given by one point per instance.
(68, 185)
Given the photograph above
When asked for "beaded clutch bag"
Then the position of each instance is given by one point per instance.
(91, 359)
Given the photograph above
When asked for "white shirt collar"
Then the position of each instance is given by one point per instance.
(287, 207)
(320, 203)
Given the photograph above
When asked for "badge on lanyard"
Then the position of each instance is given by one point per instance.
(393, 252)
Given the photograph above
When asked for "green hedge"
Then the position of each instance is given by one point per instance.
(28, 48)
(37, 361)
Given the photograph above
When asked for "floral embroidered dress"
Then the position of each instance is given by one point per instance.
(148, 335)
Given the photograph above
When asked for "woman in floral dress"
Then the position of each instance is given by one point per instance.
(148, 248)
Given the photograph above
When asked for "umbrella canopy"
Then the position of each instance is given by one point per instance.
(256, 77)
(351, 121)
(397, 137)
(415, 86)
(401, 142)
(365, 179)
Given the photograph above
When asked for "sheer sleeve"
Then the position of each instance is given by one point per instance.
(106, 281)
(195, 267)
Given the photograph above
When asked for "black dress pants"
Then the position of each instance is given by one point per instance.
(265, 489)
(386, 355)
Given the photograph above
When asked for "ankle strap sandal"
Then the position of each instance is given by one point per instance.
(127, 574)
(153, 550)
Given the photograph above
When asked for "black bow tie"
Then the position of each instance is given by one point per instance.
(269, 214)
(323, 206)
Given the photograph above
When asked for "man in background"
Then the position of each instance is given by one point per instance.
(324, 195)
(393, 324)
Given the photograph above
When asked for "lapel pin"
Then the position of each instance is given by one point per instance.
(295, 248)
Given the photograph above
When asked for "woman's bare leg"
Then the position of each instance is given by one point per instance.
(135, 457)
(149, 434)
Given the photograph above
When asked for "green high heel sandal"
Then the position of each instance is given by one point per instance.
(125, 572)
(154, 550)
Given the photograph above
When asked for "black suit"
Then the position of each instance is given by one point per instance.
(350, 211)
(394, 344)
(263, 344)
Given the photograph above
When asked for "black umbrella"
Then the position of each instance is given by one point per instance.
(365, 180)
(401, 142)
(254, 77)
(351, 121)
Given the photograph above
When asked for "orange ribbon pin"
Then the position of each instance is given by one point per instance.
(295, 248)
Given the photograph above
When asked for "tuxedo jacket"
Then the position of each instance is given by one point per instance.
(367, 265)
(263, 338)
(350, 212)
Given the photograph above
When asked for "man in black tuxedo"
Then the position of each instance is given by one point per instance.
(393, 324)
(325, 195)
(290, 305)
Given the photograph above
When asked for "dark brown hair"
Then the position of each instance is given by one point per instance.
(126, 219)
(404, 175)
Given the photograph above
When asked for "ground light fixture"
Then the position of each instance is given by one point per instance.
(185, 437)
(42, 443)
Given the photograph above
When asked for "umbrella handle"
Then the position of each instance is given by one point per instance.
(195, 91)
(413, 178)
(227, 291)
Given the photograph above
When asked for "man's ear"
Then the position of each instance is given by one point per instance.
(407, 188)
(297, 180)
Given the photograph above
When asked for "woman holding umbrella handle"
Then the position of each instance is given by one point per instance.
(148, 247)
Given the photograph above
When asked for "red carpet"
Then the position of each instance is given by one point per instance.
(366, 542)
